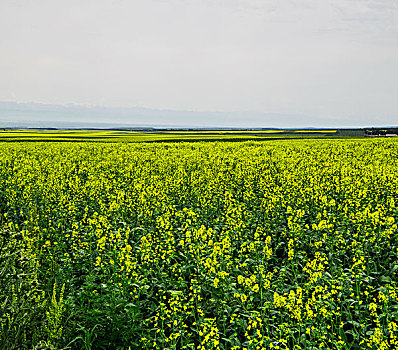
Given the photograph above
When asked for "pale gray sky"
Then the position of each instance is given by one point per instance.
(331, 59)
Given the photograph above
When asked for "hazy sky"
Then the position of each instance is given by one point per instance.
(322, 58)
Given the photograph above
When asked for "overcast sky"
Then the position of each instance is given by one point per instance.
(331, 59)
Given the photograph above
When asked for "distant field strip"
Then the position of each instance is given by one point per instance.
(156, 135)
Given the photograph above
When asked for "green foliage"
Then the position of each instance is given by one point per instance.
(53, 327)
(22, 301)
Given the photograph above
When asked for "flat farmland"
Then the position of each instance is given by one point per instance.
(277, 244)
(112, 136)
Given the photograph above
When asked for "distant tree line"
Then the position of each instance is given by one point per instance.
(381, 132)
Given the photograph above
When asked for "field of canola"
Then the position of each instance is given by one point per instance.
(253, 245)
(159, 135)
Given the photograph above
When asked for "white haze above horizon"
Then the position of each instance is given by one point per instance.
(330, 63)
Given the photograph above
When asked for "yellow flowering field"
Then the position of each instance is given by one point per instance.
(29, 135)
(285, 244)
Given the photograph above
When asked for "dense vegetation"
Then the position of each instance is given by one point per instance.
(256, 245)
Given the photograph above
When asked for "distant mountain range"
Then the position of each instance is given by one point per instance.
(37, 115)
